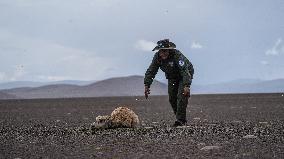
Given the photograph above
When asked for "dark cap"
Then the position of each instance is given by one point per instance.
(164, 44)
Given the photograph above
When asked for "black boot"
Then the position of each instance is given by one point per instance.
(179, 123)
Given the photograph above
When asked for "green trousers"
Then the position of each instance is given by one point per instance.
(177, 100)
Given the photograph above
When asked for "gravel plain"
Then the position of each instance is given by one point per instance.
(220, 126)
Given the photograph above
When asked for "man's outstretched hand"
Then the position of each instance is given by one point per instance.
(147, 91)
(186, 91)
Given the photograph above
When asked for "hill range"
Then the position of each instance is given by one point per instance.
(121, 86)
(133, 86)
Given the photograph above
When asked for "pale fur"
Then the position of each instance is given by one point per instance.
(120, 117)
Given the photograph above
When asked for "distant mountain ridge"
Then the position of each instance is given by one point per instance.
(18, 84)
(120, 86)
(242, 86)
(133, 86)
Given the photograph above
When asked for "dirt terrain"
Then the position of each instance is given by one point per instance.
(220, 126)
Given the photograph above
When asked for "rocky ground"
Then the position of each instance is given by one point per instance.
(220, 126)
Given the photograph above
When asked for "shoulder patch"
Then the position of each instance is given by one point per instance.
(181, 62)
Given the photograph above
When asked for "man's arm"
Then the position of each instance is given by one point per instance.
(150, 74)
(152, 71)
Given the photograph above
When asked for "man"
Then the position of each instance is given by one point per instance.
(179, 72)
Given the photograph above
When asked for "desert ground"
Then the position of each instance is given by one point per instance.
(219, 126)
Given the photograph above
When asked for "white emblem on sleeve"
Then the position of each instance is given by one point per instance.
(181, 62)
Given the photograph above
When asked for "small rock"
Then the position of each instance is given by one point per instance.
(181, 127)
(148, 127)
(246, 154)
(207, 148)
(196, 118)
(200, 145)
(263, 122)
(237, 121)
(250, 137)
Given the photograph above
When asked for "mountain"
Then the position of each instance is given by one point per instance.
(242, 86)
(49, 91)
(18, 84)
(121, 86)
(133, 86)
(124, 86)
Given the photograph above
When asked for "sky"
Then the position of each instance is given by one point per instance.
(55, 40)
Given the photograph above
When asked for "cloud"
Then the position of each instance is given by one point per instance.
(16, 73)
(24, 58)
(264, 62)
(278, 48)
(19, 72)
(196, 45)
(145, 45)
(3, 76)
(53, 78)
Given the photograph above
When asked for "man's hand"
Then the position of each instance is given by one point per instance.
(147, 91)
(186, 91)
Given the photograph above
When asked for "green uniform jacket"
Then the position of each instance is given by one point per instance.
(176, 67)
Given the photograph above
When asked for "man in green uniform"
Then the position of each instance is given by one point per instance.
(179, 72)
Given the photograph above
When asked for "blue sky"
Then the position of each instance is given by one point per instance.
(96, 39)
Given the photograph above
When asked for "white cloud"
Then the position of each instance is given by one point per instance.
(16, 73)
(19, 72)
(3, 76)
(52, 78)
(25, 58)
(264, 62)
(278, 48)
(145, 45)
(196, 45)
